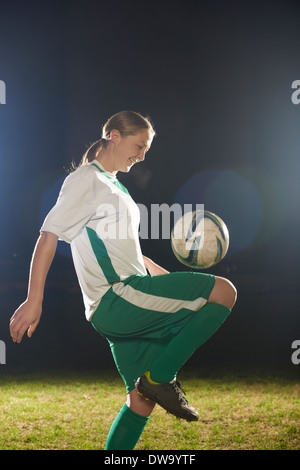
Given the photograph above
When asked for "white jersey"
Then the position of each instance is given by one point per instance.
(97, 216)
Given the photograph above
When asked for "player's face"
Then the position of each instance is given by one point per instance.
(131, 149)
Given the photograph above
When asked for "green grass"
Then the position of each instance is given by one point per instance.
(75, 411)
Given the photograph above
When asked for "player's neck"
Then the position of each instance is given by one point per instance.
(106, 161)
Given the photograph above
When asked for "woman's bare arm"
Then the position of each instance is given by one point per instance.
(153, 268)
(27, 316)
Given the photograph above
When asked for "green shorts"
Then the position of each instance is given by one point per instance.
(140, 315)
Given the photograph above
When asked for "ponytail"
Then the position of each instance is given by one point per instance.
(92, 152)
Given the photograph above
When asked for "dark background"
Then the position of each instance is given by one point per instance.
(215, 77)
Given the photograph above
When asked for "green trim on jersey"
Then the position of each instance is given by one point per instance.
(103, 259)
(114, 181)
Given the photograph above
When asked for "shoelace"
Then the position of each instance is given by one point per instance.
(178, 389)
(178, 384)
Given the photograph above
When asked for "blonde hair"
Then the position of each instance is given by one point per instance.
(126, 122)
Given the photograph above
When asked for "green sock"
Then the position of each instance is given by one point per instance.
(125, 430)
(203, 324)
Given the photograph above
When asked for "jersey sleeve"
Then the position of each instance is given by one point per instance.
(74, 207)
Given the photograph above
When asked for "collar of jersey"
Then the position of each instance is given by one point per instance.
(110, 176)
(102, 170)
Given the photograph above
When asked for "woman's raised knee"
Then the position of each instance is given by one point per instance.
(223, 293)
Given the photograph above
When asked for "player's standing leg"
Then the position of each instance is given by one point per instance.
(129, 423)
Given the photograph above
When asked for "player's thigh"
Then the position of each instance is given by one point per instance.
(184, 285)
(223, 292)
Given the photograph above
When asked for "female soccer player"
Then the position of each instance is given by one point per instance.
(153, 321)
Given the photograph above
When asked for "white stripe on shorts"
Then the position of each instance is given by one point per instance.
(155, 302)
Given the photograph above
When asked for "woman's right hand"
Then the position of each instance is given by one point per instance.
(25, 318)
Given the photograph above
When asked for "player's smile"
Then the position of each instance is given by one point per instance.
(134, 160)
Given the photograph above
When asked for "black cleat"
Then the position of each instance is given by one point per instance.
(168, 396)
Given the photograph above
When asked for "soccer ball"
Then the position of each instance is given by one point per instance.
(200, 239)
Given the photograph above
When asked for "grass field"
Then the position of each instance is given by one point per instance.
(75, 411)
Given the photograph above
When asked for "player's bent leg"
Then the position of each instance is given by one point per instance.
(223, 293)
(201, 326)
